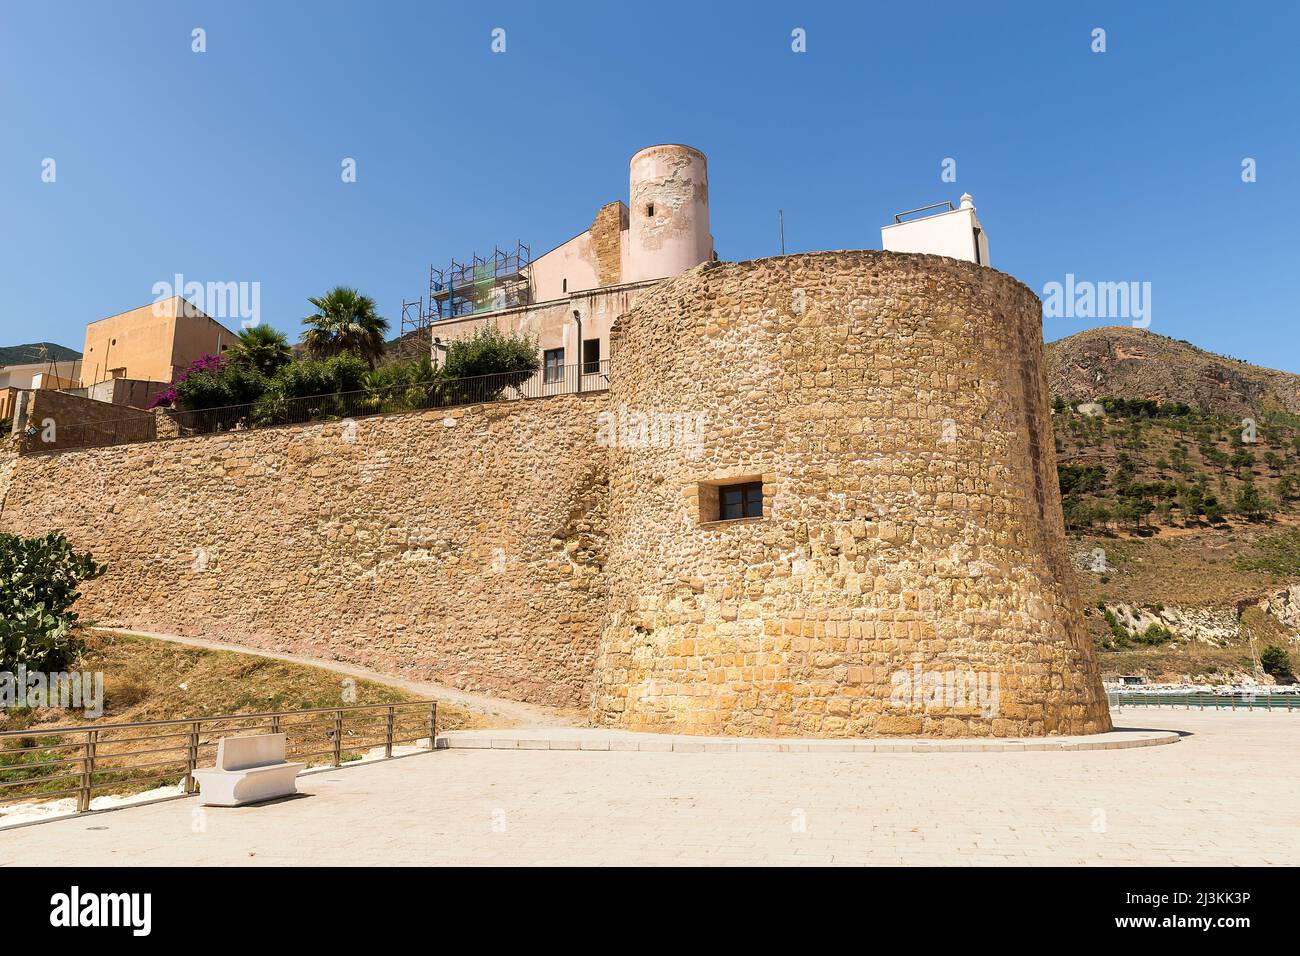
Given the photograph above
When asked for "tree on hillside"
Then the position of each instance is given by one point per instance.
(262, 348)
(1286, 488)
(1132, 511)
(1179, 459)
(1191, 502)
(1277, 664)
(345, 321)
(1250, 503)
(1241, 458)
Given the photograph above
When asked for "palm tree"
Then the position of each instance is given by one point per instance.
(345, 321)
(263, 348)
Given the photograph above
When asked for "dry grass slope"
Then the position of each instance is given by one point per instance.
(147, 680)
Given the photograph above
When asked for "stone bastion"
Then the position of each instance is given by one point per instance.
(908, 573)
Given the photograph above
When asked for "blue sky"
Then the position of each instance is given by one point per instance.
(225, 165)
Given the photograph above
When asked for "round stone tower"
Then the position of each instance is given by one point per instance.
(668, 216)
(834, 508)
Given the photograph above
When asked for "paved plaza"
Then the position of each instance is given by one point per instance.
(1227, 793)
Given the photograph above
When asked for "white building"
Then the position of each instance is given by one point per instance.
(955, 232)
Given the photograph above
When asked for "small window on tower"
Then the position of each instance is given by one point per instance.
(732, 499)
(650, 209)
(740, 501)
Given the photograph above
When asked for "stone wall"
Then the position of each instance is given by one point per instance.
(607, 242)
(463, 546)
(908, 575)
(62, 421)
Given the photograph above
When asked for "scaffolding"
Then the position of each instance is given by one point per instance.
(484, 284)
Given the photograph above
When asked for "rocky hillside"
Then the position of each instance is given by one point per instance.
(1122, 361)
(1185, 527)
(36, 352)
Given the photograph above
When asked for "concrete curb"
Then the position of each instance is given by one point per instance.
(626, 741)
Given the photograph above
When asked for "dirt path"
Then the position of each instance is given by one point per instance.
(508, 711)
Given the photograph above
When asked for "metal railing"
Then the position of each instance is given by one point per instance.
(898, 216)
(270, 411)
(1202, 700)
(78, 761)
(117, 431)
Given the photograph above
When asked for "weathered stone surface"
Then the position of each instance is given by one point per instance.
(469, 555)
(893, 407)
(896, 410)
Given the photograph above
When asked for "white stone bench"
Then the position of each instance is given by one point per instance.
(249, 770)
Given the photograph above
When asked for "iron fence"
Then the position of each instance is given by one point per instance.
(47, 763)
(271, 411)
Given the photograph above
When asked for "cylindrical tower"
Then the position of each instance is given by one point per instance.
(833, 508)
(668, 217)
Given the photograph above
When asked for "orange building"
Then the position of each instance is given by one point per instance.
(153, 343)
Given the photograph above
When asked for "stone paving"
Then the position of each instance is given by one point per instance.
(1228, 793)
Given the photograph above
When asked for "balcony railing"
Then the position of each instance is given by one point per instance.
(270, 411)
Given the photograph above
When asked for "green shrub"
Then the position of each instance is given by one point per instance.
(1119, 634)
(309, 377)
(216, 383)
(491, 352)
(1154, 635)
(1277, 664)
(310, 389)
(39, 578)
(402, 386)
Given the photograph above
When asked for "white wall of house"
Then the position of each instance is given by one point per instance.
(30, 374)
(956, 234)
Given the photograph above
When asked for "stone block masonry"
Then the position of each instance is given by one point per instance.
(906, 575)
(58, 420)
(462, 545)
